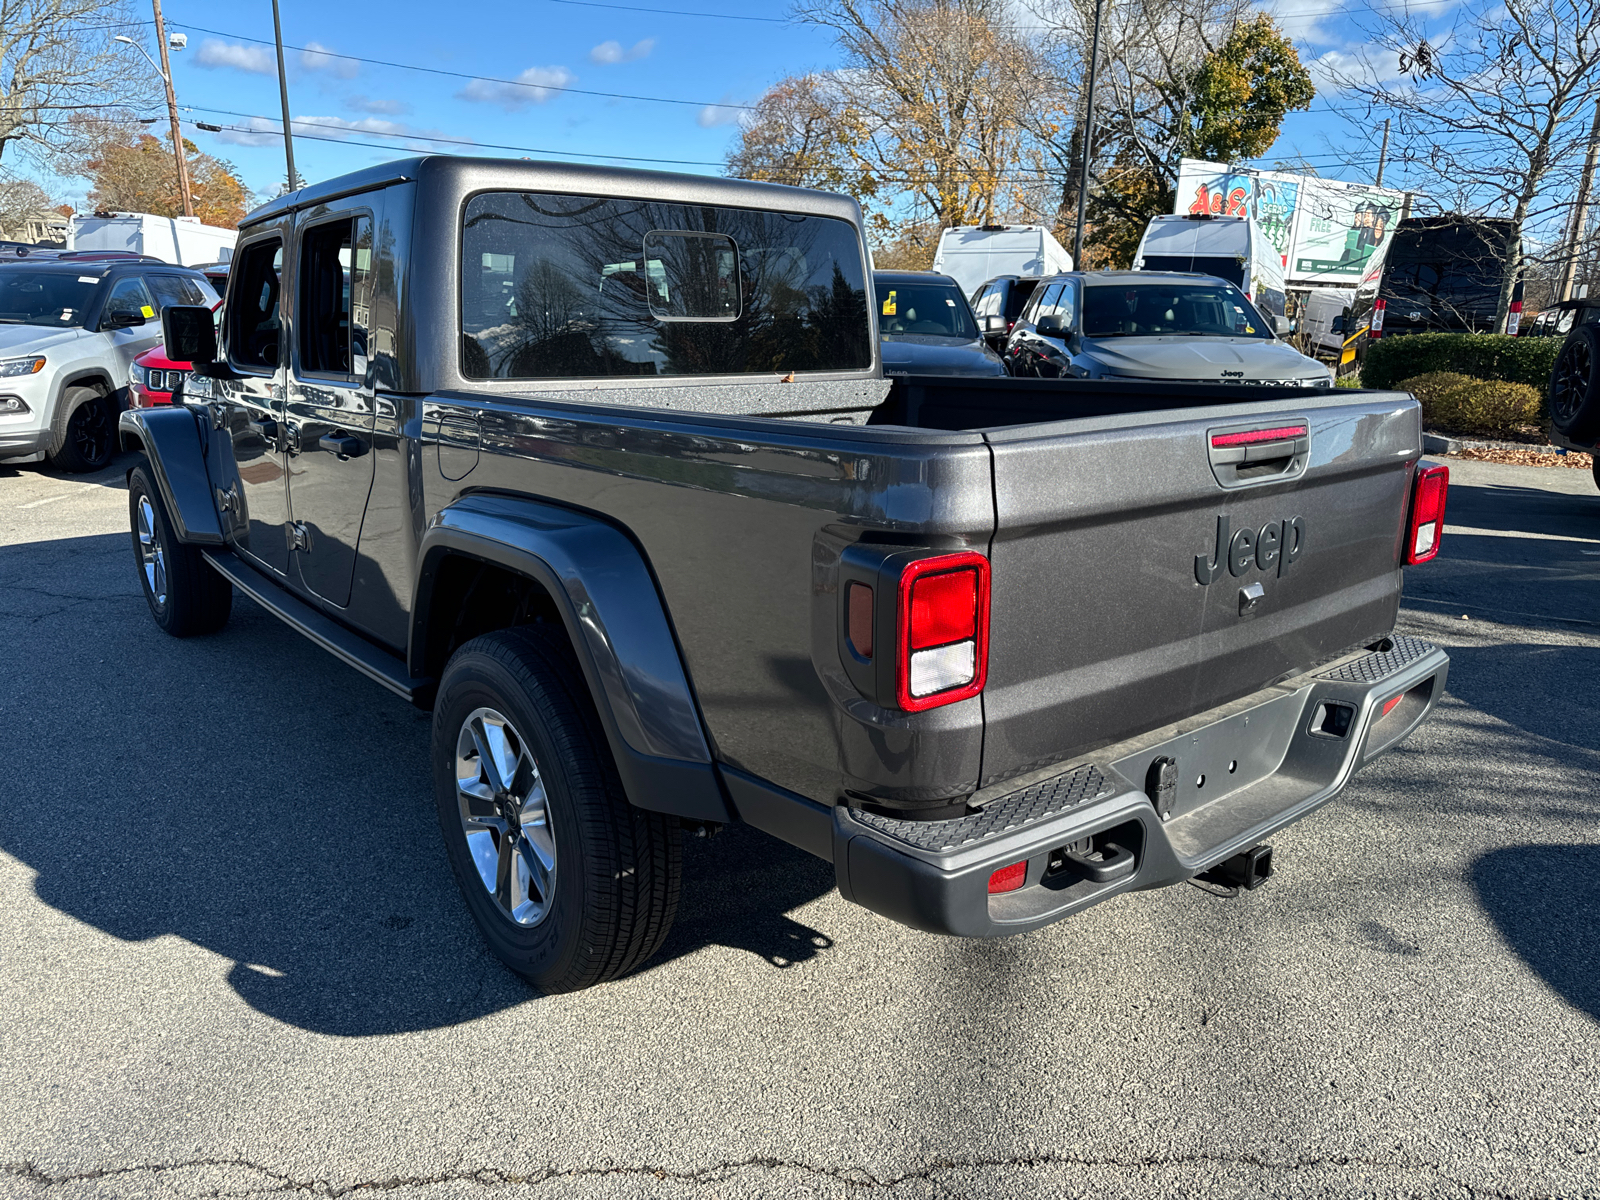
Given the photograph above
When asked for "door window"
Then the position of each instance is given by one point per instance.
(331, 318)
(254, 325)
(179, 289)
(129, 297)
(1047, 301)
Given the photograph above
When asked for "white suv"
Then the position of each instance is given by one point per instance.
(70, 329)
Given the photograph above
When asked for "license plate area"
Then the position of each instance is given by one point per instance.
(1213, 762)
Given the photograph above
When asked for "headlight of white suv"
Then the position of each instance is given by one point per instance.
(12, 367)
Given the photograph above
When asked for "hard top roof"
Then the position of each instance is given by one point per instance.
(93, 266)
(912, 277)
(468, 175)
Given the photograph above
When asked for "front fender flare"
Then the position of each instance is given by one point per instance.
(171, 439)
(618, 625)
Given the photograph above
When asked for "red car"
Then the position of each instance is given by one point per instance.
(154, 375)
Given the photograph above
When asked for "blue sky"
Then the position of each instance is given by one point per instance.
(709, 65)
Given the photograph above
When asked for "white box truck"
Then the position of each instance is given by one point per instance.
(180, 240)
(1231, 248)
(974, 254)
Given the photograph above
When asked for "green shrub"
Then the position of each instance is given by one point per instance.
(1352, 380)
(1456, 403)
(1480, 355)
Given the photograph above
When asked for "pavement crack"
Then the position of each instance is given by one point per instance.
(851, 1177)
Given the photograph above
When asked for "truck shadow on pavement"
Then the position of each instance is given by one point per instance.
(1550, 691)
(248, 794)
(1545, 900)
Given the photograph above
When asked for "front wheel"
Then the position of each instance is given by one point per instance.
(85, 434)
(569, 883)
(186, 597)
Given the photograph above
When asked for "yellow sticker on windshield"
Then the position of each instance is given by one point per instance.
(889, 305)
(147, 311)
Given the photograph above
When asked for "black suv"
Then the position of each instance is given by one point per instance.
(1003, 296)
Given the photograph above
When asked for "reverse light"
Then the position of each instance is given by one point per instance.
(12, 367)
(1426, 525)
(1375, 327)
(1008, 879)
(943, 630)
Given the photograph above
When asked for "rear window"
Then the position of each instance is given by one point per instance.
(1229, 268)
(559, 286)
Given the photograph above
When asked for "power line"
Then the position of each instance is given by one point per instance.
(522, 83)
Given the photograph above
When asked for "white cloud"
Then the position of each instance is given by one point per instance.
(258, 60)
(607, 53)
(1336, 70)
(713, 115)
(384, 108)
(317, 57)
(533, 86)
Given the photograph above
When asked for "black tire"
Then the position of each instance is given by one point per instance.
(614, 871)
(85, 433)
(1574, 392)
(1594, 468)
(186, 597)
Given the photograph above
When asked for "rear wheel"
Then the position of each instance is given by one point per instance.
(1575, 385)
(569, 883)
(85, 433)
(186, 597)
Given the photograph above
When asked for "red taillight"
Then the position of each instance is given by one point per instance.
(1008, 879)
(1375, 327)
(1426, 526)
(944, 630)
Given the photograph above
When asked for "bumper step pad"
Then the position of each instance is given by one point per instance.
(1378, 665)
(1036, 802)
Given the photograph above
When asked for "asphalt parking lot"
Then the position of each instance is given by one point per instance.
(233, 961)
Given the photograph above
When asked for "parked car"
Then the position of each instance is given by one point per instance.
(154, 377)
(667, 550)
(1154, 325)
(927, 327)
(216, 272)
(1323, 314)
(70, 329)
(1004, 296)
(1231, 248)
(1573, 395)
(1561, 317)
(972, 253)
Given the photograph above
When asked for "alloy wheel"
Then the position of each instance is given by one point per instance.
(505, 815)
(90, 430)
(1571, 383)
(151, 553)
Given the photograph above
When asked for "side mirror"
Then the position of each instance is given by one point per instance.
(994, 323)
(122, 319)
(1281, 326)
(190, 333)
(1050, 326)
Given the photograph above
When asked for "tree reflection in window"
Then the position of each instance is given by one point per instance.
(562, 286)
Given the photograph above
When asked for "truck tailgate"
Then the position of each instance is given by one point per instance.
(1101, 627)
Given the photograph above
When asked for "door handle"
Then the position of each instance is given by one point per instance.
(342, 444)
(270, 429)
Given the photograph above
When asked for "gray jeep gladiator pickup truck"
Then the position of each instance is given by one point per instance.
(601, 467)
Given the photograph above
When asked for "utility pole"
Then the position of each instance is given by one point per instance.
(1088, 139)
(1383, 155)
(172, 111)
(283, 94)
(1580, 211)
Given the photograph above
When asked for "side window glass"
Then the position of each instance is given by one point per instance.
(130, 297)
(1067, 306)
(1047, 302)
(331, 319)
(253, 321)
(169, 290)
(1564, 321)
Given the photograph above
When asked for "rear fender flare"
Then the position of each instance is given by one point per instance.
(170, 439)
(618, 626)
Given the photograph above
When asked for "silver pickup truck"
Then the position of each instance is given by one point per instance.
(602, 468)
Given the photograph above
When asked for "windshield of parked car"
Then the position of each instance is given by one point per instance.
(52, 298)
(938, 309)
(1162, 309)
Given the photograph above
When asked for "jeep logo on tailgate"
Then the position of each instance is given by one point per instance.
(1277, 543)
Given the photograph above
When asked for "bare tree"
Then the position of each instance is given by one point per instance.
(57, 57)
(21, 200)
(803, 132)
(937, 89)
(1493, 116)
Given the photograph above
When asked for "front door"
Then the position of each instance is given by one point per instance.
(131, 321)
(330, 406)
(248, 412)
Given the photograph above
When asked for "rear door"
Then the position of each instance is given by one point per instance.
(1111, 614)
(330, 406)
